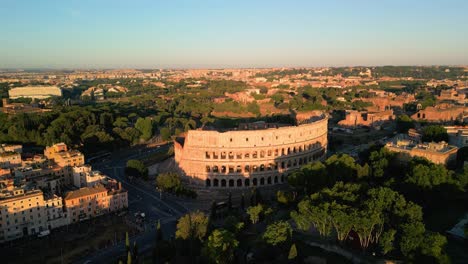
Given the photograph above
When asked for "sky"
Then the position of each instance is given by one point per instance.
(227, 33)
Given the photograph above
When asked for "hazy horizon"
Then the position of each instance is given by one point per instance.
(212, 34)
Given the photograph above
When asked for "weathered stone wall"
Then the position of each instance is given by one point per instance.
(250, 157)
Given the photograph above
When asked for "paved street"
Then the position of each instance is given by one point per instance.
(143, 198)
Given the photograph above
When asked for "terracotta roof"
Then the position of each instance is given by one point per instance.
(85, 192)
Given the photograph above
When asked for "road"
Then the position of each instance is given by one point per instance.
(142, 198)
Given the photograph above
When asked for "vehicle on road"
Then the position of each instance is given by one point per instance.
(44, 233)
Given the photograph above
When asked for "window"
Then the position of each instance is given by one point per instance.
(246, 139)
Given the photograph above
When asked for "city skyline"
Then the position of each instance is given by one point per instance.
(187, 34)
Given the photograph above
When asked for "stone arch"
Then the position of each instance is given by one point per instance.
(231, 183)
(208, 183)
(208, 168)
(239, 183)
(262, 181)
(262, 167)
(223, 169)
(254, 168)
(254, 182)
(215, 169)
(247, 168)
(247, 182)
(223, 183)
(215, 183)
(269, 180)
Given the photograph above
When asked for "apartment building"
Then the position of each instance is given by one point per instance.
(439, 153)
(11, 148)
(458, 135)
(65, 158)
(21, 213)
(10, 160)
(89, 202)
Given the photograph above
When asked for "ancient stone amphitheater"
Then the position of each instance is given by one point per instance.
(255, 154)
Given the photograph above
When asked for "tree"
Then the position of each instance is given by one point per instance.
(220, 246)
(433, 245)
(311, 177)
(343, 219)
(277, 233)
(129, 258)
(379, 161)
(309, 214)
(282, 197)
(411, 239)
(292, 252)
(434, 133)
(232, 224)
(404, 123)
(168, 182)
(192, 226)
(386, 241)
(136, 168)
(254, 213)
(341, 167)
(428, 176)
(165, 133)
(145, 126)
(159, 233)
(121, 122)
(127, 241)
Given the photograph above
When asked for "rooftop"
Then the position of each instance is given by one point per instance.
(86, 191)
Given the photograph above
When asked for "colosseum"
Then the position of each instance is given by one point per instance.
(255, 154)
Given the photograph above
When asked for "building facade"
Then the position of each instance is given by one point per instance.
(257, 154)
(10, 160)
(21, 213)
(66, 159)
(458, 135)
(439, 153)
(89, 202)
(35, 92)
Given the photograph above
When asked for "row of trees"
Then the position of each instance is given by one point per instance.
(379, 218)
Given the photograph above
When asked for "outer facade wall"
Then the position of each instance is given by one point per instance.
(250, 157)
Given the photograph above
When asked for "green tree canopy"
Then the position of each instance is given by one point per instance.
(220, 246)
(254, 213)
(434, 133)
(278, 233)
(192, 226)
